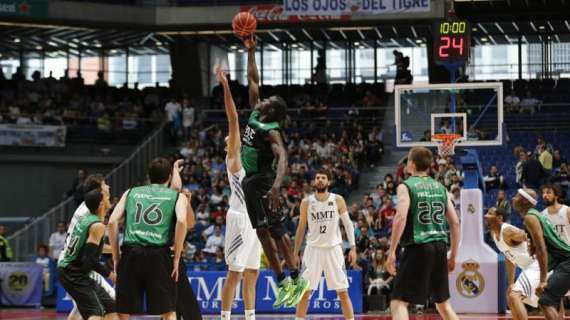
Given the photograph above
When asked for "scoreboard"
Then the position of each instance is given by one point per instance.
(452, 41)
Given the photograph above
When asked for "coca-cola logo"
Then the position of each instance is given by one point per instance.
(274, 13)
(268, 13)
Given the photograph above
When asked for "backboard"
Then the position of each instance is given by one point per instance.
(473, 110)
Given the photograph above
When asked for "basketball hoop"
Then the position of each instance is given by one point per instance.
(446, 143)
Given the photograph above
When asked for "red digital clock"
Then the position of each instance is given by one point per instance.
(452, 41)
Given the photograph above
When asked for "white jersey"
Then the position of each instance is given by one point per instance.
(81, 212)
(516, 254)
(560, 221)
(237, 198)
(323, 220)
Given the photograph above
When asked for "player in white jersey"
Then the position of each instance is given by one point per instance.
(322, 212)
(242, 247)
(512, 242)
(556, 212)
(95, 181)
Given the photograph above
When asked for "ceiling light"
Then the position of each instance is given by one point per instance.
(16, 40)
(356, 43)
(419, 41)
(484, 39)
(158, 43)
(294, 45)
(541, 27)
(98, 45)
(39, 48)
(473, 29)
(113, 51)
(240, 51)
(233, 47)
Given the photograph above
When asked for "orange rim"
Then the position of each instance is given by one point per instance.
(446, 138)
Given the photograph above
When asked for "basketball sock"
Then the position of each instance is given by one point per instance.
(281, 277)
(226, 315)
(250, 314)
(294, 274)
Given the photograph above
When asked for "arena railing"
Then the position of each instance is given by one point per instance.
(130, 172)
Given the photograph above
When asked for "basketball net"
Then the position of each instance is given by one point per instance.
(446, 143)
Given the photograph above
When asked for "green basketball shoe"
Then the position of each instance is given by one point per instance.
(301, 286)
(284, 292)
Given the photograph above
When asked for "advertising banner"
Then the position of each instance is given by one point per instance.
(207, 286)
(353, 7)
(274, 13)
(24, 8)
(32, 135)
(21, 284)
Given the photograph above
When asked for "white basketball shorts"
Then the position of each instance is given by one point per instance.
(242, 247)
(328, 260)
(527, 282)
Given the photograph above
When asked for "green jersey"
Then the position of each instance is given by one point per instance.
(73, 250)
(558, 250)
(256, 153)
(150, 215)
(426, 220)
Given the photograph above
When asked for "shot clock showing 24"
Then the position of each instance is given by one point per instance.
(452, 40)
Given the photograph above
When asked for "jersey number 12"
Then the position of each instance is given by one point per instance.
(323, 229)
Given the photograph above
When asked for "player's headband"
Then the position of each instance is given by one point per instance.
(527, 196)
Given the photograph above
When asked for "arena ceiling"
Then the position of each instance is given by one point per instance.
(493, 22)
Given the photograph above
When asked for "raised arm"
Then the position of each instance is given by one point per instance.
(234, 143)
(176, 182)
(252, 73)
(113, 226)
(190, 216)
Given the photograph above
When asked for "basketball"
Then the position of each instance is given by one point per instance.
(244, 24)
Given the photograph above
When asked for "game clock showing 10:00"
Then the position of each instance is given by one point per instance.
(452, 40)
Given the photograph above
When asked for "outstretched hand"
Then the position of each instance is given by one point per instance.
(250, 42)
(221, 75)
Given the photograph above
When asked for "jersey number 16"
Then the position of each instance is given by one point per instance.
(150, 216)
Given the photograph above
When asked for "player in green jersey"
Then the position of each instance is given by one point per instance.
(551, 252)
(81, 257)
(154, 219)
(262, 146)
(420, 226)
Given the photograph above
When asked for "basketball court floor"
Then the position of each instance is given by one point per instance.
(28, 314)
